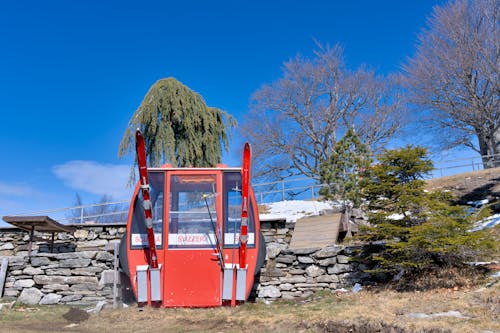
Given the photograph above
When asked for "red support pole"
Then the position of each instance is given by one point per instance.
(245, 180)
(147, 205)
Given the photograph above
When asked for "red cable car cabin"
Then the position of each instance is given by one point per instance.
(196, 223)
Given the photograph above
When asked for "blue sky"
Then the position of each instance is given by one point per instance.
(73, 72)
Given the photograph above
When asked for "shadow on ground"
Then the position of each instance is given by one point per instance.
(489, 190)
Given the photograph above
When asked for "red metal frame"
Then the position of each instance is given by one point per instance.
(144, 185)
(245, 180)
(192, 277)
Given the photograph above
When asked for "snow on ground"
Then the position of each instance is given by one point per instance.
(395, 217)
(293, 210)
(478, 203)
(488, 222)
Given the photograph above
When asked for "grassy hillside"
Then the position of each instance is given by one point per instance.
(470, 186)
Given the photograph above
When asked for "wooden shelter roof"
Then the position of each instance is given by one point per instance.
(40, 223)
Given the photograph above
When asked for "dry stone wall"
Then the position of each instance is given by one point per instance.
(78, 271)
(298, 273)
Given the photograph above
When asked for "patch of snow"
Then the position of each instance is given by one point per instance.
(98, 308)
(418, 315)
(496, 275)
(340, 291)
(395, 217)
(71, 325)
(293, 210)
(455, 314)
(481, 263)
(488, 222)
(478, 203)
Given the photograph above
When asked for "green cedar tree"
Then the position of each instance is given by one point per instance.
(178, 127)
(419, 229)
(342, 171)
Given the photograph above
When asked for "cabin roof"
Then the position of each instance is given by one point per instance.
(39, 223)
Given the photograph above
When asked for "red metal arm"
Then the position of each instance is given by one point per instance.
(245, 180)
(147, 205)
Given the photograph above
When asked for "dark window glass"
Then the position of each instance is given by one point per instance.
(232, 212)
(138, 236)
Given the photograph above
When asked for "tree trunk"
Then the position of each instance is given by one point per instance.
(496, 147)
(489, 147)
(346, 219)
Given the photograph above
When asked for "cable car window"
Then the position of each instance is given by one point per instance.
(138, 236)
(232, 212)
(192, 214)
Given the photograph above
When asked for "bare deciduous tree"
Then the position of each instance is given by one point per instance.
(295, 121)
(454, 75)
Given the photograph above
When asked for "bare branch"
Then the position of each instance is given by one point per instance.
(455, 72)
(294, 122)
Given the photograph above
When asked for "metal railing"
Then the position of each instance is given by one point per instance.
(107, 212)
(465, 164)
(288, 189)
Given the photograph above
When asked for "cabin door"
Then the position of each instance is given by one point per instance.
(192, 273)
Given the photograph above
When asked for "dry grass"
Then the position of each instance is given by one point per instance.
(386, 311)
(487, 174)
(473, 185)
(367, 311)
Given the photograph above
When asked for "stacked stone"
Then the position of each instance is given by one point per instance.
(81, 277)
(79, 271)
(358, 218)
(298, 273)
(277, 232)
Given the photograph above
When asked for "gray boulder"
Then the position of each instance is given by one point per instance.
(293, 279)
(305, 251)
(50, 299)
(328, 252)
(314, 271)
(24, 283)
(104, 256)
(285, 259)
(30, 296)
(305, 260)
(327, 279)
(39, 261)
(32, 271)
(273, 250)
(73, 263)
(269, 292)
(339, 268)
(343, 259)
(7, 246)
(328, 261)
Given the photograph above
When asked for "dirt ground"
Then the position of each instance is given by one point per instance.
(470, 186)
(476, 310)
(464, 309)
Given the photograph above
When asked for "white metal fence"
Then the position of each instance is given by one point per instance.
(459, 165)
(288, 189)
